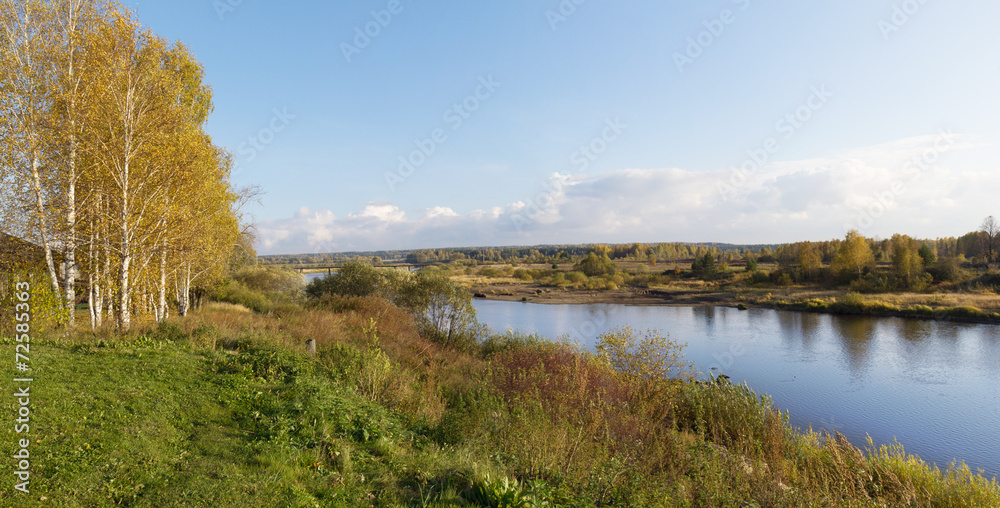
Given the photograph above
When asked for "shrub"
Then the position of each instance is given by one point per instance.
(489, 271)
(168, 332)
(355, 278)
(47, 312)
(947, 270)
(511, 340)
(649, 356)
(577, 278)
(559, 280)
(781, 278)
(233, 292)
(444, 310)
(270, 279)
(921, 283)
(989, 281)
(760, 278)
(522, 274)
(621, 279)
(854, 301)
(874, 283)
(594, 265)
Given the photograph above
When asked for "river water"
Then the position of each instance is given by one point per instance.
(934, 386)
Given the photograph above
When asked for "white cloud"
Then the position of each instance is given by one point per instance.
(877, 189)
(439, 211)
(382, 213)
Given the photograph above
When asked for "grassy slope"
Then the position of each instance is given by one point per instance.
(226, 409)
(140, 425)
(230, 416)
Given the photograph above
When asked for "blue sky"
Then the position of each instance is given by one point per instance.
(578, 121)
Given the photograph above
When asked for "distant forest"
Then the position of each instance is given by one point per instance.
(530, 254)
(978, 247)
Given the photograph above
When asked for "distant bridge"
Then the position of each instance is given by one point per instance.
(332, 267)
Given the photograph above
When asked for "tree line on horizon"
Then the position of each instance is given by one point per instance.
(104, 161)
(981, 246)
(539, 254)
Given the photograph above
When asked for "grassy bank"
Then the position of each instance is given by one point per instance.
(861, 305)
(227, 408)
(634, 283)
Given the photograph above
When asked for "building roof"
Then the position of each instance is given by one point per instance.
(17, 253)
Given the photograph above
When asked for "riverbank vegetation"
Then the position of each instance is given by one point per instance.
(943, 278)
(408, 402)
(901, 276)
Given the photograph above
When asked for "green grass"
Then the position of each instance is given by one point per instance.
(158, 423)
(136, 423)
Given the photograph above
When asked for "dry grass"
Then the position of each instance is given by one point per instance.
(224, 306)
(987, 301)
(482, 280)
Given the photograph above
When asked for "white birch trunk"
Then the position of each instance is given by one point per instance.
(161, 307)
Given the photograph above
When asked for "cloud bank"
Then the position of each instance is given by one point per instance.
(909, 186)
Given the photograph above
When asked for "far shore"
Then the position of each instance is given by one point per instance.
(970, 308)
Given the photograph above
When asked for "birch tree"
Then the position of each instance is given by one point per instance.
(75, 25)
(129, 138)
(853, 256)
(25, 38)
(104, 158)
(990, 234)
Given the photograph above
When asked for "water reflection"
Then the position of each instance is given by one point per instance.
(706, 315)
(798, 333)
(913, 330)
(856, 335)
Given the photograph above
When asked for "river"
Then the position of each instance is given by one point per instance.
(933, 385)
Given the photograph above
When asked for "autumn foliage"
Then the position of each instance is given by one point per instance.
(104, 162)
